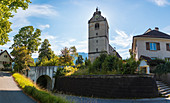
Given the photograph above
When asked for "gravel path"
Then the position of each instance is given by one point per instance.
(78, 99)
(10, 92)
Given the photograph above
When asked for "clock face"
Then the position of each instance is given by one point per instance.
(97, 16)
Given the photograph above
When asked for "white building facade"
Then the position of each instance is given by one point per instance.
(151, 45)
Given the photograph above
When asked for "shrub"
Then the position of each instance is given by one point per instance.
(23, 81)
(66, 71)
(162, 68)
(156, 62)
(82, 72)
(106, 64)
(130, 66)
(31, 89)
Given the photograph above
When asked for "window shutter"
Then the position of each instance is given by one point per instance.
(167, 46)
(158, 46)
(147, 46)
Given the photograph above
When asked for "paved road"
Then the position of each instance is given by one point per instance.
(10, 92)
(78, 99)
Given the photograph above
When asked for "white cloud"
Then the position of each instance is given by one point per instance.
(49, 37)
(35, 55)
(72, 40)
(42, 27)
(160, 2)
(6, 46)
(82, 46)
(122, 39)
(124, 53)
(20, 18)
(122, 42)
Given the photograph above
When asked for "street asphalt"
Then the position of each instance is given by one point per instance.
(10, 92)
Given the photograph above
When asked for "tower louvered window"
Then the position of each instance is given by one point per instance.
(96, 26)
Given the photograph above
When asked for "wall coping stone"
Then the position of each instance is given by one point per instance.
(112, 76)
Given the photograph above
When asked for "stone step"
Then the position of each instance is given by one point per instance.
(165, 92)
(167, 95)
(158, 82)
(162, 85)
(165, 89)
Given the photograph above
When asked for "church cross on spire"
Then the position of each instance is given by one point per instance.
(97, 9)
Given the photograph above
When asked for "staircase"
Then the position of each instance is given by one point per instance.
(163, 88)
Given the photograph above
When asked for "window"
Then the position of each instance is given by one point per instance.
(96, 33)
(168, 46)
(96, 41)
(96, 49)
(5, 56)
(96, 26)
(152, 46)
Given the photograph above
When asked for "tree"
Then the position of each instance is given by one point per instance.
(87, 62)
(45, 50)
(130, 66)
(6, 9)
(54, 61)
(79, 60)
(68, 55)
(110, 63)
(22, 59)
(28, 38)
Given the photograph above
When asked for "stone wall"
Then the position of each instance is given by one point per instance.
(109, 86)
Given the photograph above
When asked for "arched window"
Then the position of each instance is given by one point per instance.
(96, 49)
(96, 26)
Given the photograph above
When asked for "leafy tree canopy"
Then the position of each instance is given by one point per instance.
(45, 50)
(79, 60)
(22, 59)
(68, 55)
(28, 38)
(6, 9)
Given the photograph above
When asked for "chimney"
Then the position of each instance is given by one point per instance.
(156, 28)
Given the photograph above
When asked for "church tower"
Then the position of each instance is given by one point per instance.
(98, 37)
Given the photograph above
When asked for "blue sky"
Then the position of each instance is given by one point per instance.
(65, 22)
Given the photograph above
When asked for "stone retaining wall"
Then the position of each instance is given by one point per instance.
(109, 86)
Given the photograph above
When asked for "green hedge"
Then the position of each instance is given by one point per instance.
(43, 96)
(31, 89)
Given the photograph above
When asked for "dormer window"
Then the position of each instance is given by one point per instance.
(96, 26)
(5, 56)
